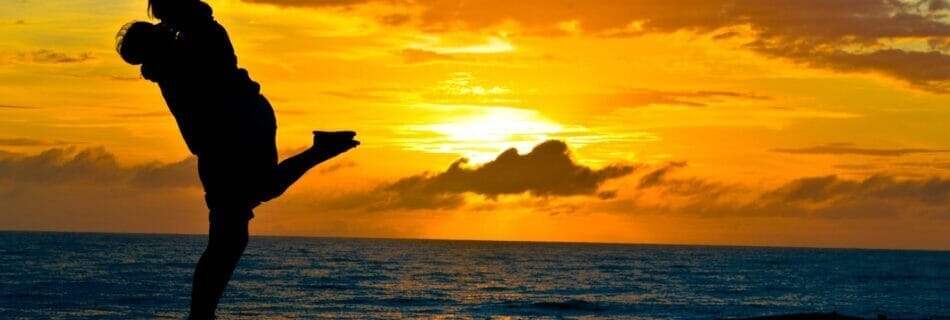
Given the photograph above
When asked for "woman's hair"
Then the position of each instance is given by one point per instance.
(165, 9)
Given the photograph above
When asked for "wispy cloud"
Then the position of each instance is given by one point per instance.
(21, 142)
(54, 57)
(653, 178)
(640, 97)
(8, 106)
(312, 3)
(849, 148)
(422, 55)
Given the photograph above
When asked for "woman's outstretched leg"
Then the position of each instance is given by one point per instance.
(227, 240)
(326, 145)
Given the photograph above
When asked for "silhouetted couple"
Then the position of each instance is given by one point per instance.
(226, 122)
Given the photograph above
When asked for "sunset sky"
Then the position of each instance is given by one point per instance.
(785, 123)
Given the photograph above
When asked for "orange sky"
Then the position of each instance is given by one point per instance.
(792, 123)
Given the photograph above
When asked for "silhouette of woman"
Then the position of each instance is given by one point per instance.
(226, 122)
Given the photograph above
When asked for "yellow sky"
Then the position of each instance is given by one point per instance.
(709, 122)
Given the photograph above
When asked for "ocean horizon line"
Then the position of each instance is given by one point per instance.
(540, 242)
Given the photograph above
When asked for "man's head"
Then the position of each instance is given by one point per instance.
(135, 41)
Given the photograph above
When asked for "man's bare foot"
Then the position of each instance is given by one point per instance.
(329, 144)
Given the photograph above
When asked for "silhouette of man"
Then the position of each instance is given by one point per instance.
(226, 123)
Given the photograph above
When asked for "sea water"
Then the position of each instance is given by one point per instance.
(121, 276)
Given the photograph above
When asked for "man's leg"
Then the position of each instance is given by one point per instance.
(227, 239)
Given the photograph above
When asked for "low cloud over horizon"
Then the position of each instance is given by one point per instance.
(547, 171)
(91, 183)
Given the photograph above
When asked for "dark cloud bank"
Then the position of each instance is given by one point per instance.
(88, 190)
(38, 189)
(94, 166)
(823, 196)
(846, 36)
(547, 171)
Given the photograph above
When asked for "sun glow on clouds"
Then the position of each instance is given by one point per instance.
(479, 132)
(490, 45)
(463, 84)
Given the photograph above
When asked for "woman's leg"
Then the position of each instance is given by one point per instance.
(326, 145)
(227, 240)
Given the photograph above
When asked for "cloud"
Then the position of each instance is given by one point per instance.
(421, 56)
(88, 190)
(61, 165)
(926, 70)
(830, 196)
(654, 178)
(547, 171)
(312, 3)
(151, 114)
(640, 97)
(18, 22)
(54, 57)
(8, 154)
(848, 148)
(375, 94)
(551, 179)
(816, 190)
(336, 166)
(181, 174)
(93, 166)
(21, 142)
(7, 106)
(467, 91)
(845, 36)
(395, 19)
(936, 164)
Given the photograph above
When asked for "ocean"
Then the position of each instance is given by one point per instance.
(125, 276)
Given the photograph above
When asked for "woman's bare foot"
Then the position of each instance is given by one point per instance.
(329, 144)
(333, 135)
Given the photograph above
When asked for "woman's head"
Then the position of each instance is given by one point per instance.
(173, 10)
